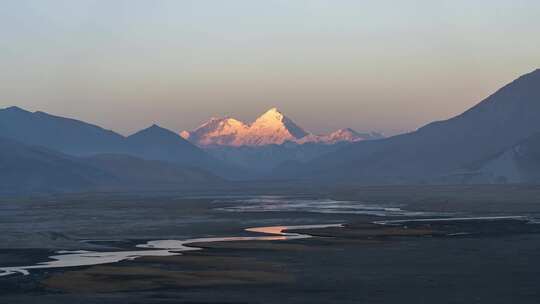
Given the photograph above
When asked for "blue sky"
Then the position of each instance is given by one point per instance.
(389, 66)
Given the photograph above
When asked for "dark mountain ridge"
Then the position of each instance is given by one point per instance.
(27, 169)
(500, 121)
(156, 142)
(67, 135)
(32, 169)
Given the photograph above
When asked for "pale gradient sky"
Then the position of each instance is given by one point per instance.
(388, 66)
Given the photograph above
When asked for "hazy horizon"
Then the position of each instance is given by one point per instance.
(389, 67)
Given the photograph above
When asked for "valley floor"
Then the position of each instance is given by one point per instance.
(479, 261)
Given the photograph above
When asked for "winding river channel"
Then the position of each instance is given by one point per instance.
(65, 259)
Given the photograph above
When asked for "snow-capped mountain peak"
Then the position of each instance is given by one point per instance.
(346, 134)
(272, 127)
(272, 114)
(341, 135)
(217, 131)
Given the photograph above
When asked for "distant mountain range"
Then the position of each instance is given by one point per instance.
(496, 141)
(269, 141)
(226, 147)
(78, 138)
(491, 135)
(271, 128)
